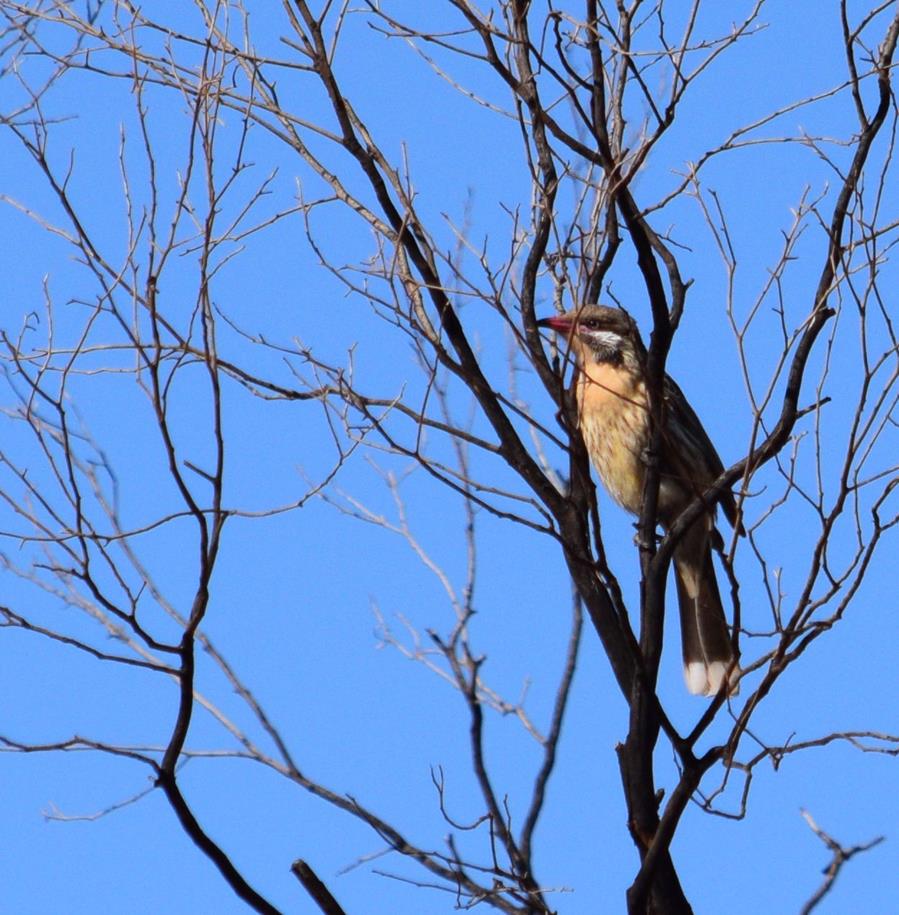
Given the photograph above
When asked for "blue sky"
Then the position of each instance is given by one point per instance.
(297, 595)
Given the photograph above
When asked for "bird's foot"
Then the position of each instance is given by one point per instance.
(642, 543)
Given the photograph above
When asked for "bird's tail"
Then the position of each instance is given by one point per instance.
(708, 653)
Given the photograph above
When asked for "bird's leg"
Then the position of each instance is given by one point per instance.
(640, 543)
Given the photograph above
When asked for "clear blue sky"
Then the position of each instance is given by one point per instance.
(294, 594)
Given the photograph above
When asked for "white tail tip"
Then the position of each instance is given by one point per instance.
(707, 679)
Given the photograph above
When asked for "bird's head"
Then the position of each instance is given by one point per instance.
(599, 333)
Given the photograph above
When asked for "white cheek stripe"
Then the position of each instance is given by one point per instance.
(607, 338)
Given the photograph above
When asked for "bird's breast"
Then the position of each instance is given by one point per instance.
(614, 423)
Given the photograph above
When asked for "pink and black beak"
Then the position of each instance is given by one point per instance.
(561, 324)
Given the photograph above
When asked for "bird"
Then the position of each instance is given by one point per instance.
(614, 420)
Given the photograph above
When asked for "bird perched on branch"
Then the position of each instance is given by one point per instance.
(613, 409)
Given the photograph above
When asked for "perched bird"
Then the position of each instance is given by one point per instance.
(613, 409)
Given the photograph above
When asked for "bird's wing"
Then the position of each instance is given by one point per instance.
(689, 450)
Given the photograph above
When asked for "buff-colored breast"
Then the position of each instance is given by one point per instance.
(614, 415)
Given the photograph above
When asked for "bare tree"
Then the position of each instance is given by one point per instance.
(594, 91)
